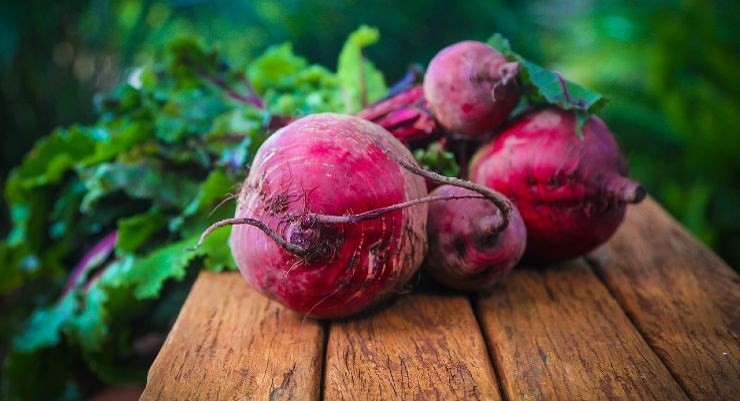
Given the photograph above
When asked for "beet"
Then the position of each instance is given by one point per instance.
(471, 88)
(466, 251)
(296, 235)
(570, 191)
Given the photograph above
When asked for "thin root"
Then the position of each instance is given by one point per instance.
(296, 250)
(501, 203)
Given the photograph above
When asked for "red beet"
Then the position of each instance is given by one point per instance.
(297, 244)
(570, 191)
(466, 250)
(471, 88)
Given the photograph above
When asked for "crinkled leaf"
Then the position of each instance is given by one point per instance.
(436, 158)
(276, 68)
(214, 189)
(45, 325)
(235, 137)
(361, 83)
(90, 325)
(64, 214)
(190, 60)
(555, 89)
(187, 113)
(292, 87)
(114, 139)
(135, 231)
(139, 181)
(50, 159)
(147, 275)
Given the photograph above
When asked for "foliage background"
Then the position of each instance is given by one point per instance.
(669, 67)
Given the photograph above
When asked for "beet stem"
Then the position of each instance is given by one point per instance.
(497, 199)
(294, 249)
(371, 214)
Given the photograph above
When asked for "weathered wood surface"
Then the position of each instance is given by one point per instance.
(652, 315)
(424, 347)
(230, 343)
(684, 300)
(556, 333)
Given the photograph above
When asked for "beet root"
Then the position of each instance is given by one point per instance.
(570, 191)
(290, 247)
(466, 251)
(471, 88)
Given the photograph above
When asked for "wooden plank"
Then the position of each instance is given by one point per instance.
(556, 333)
(684, 300)
(229, 343)
(423, 347)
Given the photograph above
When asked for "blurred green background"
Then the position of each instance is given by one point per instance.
(669, 67)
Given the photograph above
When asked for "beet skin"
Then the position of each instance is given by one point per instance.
(471, 88)
(570, 191)
(329, 164)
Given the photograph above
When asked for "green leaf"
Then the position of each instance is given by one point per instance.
(50, 159)
(64, 214)
(277, 67)
(436, 158)
(147, 275)
(217, 251)
(189, 60)
(45, 325)
(136, 231)
(217, 187)
(361, 83)
(501, 43)
(106, 304)
(556, 90)
(40, 375)
(543, 86)
(10, 276)
(90, 325)
(290, 86)
(139, 181)
(118, 138)
(187, 113)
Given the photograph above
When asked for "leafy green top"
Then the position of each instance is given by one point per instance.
(543, 86)
(169, 145)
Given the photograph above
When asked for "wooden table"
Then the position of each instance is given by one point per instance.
(651, 315)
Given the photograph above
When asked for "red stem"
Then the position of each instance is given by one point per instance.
(90, 259)
(503, 204)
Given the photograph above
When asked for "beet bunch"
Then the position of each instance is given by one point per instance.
(335, 215)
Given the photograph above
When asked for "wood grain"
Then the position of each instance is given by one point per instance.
(556, 333)
(683, 299)
(425, 347)
(230, 343)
